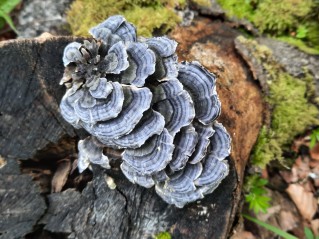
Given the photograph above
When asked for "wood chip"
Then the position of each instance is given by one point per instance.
(61, 175)
(3, 162)
(243, 235)
(110, 182)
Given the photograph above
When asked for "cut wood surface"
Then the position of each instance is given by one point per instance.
(31, 128)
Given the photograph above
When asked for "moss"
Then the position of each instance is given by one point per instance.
(313, 33)
(149, 19)
(309, 43)
(203, 3)
(147, 15)
(291, 115)
(237, 8)
(292, 112)
(279, 16)
(288, 97)
(84, 14)
(266, 149)
(147, 3)
(163, 235)
(294, 21)
(270, 15)
(300, 44)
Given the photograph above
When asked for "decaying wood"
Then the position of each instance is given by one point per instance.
(30, 123)
(21, 204)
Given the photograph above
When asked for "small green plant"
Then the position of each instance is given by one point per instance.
(6, 6)
(256, 194)
(302, 32)
(163, 235)
(314, 138)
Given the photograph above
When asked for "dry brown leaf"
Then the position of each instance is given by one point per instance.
(299, 142)
(61, 175)
(304, 200)
(270, 212)
(315, 226)
(314, 152)
(308, 186)
(299, 171)
(243, 235)
(74, 166)
(313, 163)
(315, 175)
(289, 176)
(287, 220)
(316, 182)
(302, 166)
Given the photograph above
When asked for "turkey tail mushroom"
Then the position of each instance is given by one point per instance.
(202, 87)
(131, 94)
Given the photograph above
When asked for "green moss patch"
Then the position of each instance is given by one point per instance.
(151, 18)
(241, 9)
(288, 98)
(279, 16)
(293, 21)
(148, 16)
(203, 3)
(300, 44)
(291, 115)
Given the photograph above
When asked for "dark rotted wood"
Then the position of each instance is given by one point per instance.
(130, 211)
(21, 204)
(30, 122)
(30, 94)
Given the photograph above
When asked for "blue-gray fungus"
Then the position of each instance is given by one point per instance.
(131, 94)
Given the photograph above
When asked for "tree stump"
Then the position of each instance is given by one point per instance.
(32, 130)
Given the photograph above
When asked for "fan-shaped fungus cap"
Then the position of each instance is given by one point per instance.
(201, 84)
(153, 156)
(132, 95)
(114, 26)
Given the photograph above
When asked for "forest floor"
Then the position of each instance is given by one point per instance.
(293, 193)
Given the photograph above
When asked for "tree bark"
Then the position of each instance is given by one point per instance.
(31, 128)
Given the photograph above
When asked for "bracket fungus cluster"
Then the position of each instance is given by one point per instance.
(132, 94)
